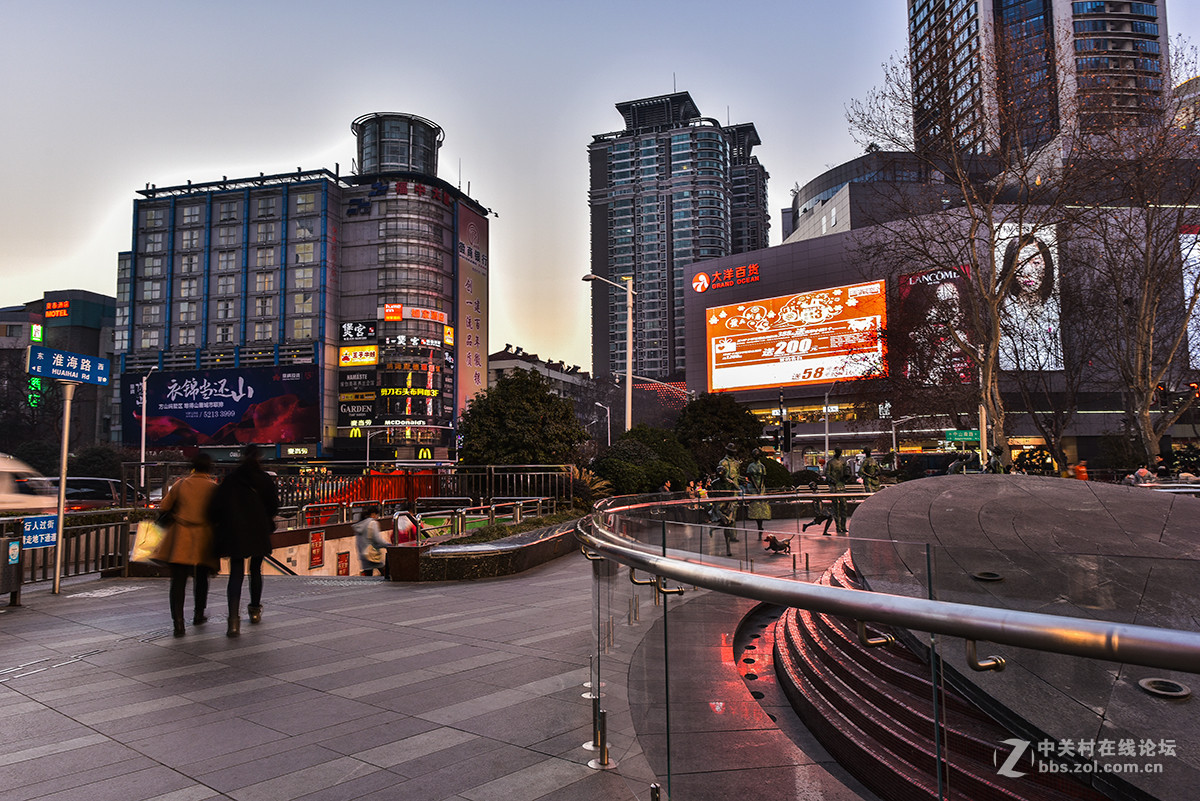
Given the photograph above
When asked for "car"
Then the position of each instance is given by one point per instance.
(21, 490)
(90, 492)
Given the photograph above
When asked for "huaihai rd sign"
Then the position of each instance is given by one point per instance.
(66, 366)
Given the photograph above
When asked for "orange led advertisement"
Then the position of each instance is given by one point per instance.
(806, 338)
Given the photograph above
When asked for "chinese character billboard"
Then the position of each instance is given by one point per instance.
(806, 338)
(237, 406)
(472, 311)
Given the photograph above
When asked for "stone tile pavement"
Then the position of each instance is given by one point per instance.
(350, 688)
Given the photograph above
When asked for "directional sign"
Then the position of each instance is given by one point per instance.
(40, 531)
(955, 435)
(66, 366)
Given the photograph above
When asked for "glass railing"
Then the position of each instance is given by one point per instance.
(728, 659)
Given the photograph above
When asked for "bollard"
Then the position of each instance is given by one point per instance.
(793, 563)
(655, 792)
(603, 763)
(805, 563)
(594, 743)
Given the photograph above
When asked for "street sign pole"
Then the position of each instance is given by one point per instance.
(68, 396)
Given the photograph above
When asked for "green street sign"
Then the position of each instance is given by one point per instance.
(971, 435)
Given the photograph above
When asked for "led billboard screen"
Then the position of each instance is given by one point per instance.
(261, 405)
(806, 338)
(1029, 315)
(1189, 249)
(929, 304)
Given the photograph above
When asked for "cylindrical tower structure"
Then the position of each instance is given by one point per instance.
(393, 142)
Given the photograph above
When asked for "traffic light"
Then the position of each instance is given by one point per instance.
(787, 435)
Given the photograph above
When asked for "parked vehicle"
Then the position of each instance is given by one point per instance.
(21, 490)
(89, 492)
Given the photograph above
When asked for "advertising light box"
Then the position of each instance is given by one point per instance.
(806, 338)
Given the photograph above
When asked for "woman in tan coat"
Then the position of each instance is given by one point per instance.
(187, 546)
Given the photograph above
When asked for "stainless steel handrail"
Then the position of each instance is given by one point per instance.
(1170, 649)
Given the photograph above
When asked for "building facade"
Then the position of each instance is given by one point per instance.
(671, 188)
(309, 311)
(1006, 73)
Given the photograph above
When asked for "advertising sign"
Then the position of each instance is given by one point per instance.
(358, 332)
(316, 549)
(39, 531)
(235, 406)
(1029, 315)
(928, 304)
(472, 312)
(358, 356)
(806, 338)
(1189, 249)
(343, 563)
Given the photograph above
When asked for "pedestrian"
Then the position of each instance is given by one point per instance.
(371, 542)
(187, 545)
(869, 470)
(243, 515)
(1081, 470)
(756, 479)
(821, 514)
(835, 476)
(666, 486)
(994, 464)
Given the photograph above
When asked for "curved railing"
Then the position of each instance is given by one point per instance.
(1150, 646)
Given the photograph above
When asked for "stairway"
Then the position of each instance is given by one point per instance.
(872, 709)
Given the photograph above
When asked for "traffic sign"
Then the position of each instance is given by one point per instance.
(39, 531)
(956, 435)
(66, 366)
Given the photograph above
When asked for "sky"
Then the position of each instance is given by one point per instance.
(102, 98)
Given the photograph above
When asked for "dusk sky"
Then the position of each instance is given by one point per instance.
(103, 98)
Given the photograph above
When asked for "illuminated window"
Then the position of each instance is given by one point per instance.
(302, 303)
(264, 281)
(304, 253)
(302, 328)
(264, 232)
(302, 277)
(306, 203)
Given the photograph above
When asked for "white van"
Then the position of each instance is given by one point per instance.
(18, 493)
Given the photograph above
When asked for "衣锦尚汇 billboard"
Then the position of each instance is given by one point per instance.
(235, 406)
(806, 338)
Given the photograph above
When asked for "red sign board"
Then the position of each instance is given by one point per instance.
(343, 563)
(316, 549)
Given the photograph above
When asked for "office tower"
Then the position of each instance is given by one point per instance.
(671, 189)
(990, 73)
(351, 306)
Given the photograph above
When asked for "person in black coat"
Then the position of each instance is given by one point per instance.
(243, 518)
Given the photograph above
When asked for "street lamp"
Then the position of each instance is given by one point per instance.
(826, 410)
(895, 448)
(629, 293)
(370, 434)
(142, 463)
(607, 423)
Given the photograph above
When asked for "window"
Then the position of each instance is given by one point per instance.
(266, 207)
(149, 339)
(304, 253)
(152, 265)
(227, 260)
(189, 311)
(306, 203)
(186, 336)
(154, 218)
(189, 287)
(264, 331)
(225, 285)
(151, 315)
(227, 235)
(305, 228)
(264, 282)
(302, 303)
(224, 309)
(154, 243)
(120, 341)
(263, 306)
(152, 290)
(302, 328)
(189, 263)
(228, 210)
(264, 257)
(189, 240)
(264, 232)
(224, 333)
(302, 277)
(191, 215)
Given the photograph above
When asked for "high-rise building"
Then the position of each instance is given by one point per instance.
(309, 310)
(671, 189)
(1003, 73)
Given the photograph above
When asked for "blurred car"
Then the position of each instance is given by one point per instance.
(21, 489)
(90, 492)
